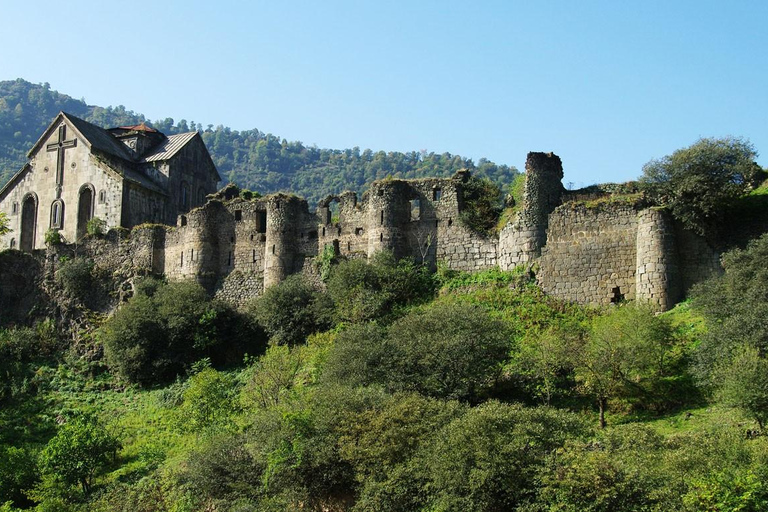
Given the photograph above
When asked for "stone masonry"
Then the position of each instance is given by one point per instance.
(588, 253)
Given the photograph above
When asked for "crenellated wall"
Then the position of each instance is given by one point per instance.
(595, 251)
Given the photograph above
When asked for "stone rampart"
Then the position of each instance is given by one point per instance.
(596, 252)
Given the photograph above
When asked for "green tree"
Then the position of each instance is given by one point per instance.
(735, 305)
(447, 350)
(379, 289)
(490, 458)
(699, 183)
(80, 448)
(744, 383)
(208, 402)
(626, 350)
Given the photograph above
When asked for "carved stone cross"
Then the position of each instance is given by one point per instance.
(59, 147)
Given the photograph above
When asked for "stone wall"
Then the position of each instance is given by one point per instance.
(590, 252)
(590, 256)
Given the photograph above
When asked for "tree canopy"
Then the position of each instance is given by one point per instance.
(700, 182)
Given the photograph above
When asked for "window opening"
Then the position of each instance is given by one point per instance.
(617, 295)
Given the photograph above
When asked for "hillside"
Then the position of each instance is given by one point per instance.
(250, 158)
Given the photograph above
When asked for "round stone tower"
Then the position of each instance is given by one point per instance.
(283, 219)
(657, 278)
(389, 213)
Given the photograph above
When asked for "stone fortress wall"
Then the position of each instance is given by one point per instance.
(594, 254)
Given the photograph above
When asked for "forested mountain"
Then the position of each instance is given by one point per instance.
(251, 158)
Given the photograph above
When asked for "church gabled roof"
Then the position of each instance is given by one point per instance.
(169, 147)
(94, 136)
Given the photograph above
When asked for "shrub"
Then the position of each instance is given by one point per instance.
(292, 310)
(379, 289)
(208, 402)
(164, 328)
(490, 457)
(481, 205)
(446, 351)
(96, 226)
(53, 237)
(80, 448)
(76, 277)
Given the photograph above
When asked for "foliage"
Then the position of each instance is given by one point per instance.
(625, 353)
(378, 289)
(76, 277)
(96, 226)
(744, 383)
(292, 310)
(4, 224)
(481, 205)
(324, 261)
(735, 306)
(275, 375)
(164, 328)
(53, 237)
(208, 401)
(699, 183)
(18, 473)
(488, 459)
(450, 351)
(22, 350)
(731, 358)
(80, 448)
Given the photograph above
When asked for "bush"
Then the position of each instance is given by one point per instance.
(96, 226)
(379, 289)
(76, 277)
(80, 448)
(490, 458)
(446, 351)
(208, 402)
(21, 352)
(292, 310)
(164, 328)
(18, 474)
(481, 205)
(53, 237)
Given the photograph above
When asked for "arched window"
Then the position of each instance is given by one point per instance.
(13, 243)
(200, 196)
(184, 195)
(15, 209)
(57, 214)
(102, 196)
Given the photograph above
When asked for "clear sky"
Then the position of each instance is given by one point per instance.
(607, 85)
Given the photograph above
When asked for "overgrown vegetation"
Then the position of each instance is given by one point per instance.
(391, 388)
(702, 182)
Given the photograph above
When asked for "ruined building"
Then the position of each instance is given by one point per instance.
(124, 176)
(596, 249)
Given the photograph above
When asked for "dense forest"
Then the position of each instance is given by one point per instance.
(252, 159)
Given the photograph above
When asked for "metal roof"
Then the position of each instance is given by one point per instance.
(169, 147)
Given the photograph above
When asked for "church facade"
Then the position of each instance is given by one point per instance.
(124, 176)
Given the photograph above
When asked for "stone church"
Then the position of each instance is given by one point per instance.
(124, 176)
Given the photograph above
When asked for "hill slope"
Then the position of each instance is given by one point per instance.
(251, 158)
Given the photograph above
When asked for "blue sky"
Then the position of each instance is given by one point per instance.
(607, 85)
